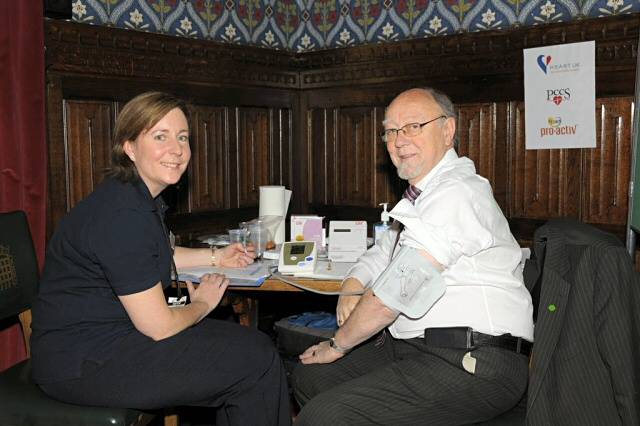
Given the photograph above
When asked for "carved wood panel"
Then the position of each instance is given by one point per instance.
(482, 133)
(354, 156)
(607, 168)
(321, 139)
(209, 169)
(388, 187)
(88, 139)
(251, 168)
(543, 183)
(280, 150)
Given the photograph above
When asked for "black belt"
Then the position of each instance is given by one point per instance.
(466, 338)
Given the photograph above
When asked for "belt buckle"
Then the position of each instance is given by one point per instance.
(470, 342)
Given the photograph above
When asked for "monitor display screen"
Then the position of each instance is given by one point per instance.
(297, 249)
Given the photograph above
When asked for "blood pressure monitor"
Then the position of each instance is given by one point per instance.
(297, 257)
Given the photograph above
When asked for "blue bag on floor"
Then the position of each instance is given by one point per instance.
(314, 320)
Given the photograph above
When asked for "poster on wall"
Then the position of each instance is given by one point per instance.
(560, 96)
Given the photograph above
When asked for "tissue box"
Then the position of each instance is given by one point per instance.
(307, 228)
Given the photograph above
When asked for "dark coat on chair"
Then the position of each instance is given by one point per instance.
(585, 367)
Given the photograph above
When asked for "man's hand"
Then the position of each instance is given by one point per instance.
(321, 353)
(235, 255)
(346, 304)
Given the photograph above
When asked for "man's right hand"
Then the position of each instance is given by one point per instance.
(346, 304)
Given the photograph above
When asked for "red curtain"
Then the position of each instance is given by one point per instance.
(23, 149)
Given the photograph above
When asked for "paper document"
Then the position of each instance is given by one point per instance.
(326, 270)
(251, 276)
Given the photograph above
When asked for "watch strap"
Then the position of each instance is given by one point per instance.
(336, 347)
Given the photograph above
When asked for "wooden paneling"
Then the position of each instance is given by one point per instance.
(310, 120)
(354, 157)
(388, 187)
(280, 149)
(543, 183)
(88, 141)
(251, 167)
(209, 168)
(482, 136)
(607, 168)
(321, 138)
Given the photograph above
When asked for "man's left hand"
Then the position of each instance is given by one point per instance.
(321, 353)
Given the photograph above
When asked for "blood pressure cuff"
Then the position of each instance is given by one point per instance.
(410, 284)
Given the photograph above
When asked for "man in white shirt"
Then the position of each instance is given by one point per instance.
(465, 358)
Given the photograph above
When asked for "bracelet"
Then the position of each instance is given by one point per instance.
(213, 256)
(333, 345)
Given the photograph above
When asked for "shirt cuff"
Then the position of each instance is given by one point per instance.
(361, 273)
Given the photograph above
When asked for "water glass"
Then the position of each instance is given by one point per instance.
(238, 236)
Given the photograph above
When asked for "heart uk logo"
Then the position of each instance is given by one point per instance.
(543, 62)
(557, 100)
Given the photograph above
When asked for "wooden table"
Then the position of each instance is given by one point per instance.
(246, 307)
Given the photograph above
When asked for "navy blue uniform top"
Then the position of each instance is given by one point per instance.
(113, 243)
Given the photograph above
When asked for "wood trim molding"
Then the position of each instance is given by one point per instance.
(470, 55)
(99, 50)
(484, 58)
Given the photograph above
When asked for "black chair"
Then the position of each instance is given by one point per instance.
(22, 401)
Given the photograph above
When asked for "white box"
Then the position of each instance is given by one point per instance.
(347, 240)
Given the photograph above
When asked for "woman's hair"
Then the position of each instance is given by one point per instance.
(139, 115)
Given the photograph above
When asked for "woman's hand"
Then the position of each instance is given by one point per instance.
(346, 304)
(210, 291)
(235, 255)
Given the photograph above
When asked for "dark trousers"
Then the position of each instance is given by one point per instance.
(213, 364)
(405, 382)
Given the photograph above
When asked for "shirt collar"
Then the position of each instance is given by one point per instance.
(448, 157)
(153, 204)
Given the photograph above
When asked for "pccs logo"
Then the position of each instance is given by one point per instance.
(557, 96)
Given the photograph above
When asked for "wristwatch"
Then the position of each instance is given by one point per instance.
(333, 345)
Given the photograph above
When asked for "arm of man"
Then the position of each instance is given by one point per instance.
(368, 317)
(361, 274)
(152, 316)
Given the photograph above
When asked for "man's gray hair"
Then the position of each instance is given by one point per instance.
(442, 100)
(446, 105)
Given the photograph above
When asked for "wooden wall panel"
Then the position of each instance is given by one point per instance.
(252, 163)
(354, 156)
(88, 137)
(209, 168)
(280, 148)
(332, 101)
(321, 139)
(543, 183)
(482, 136)
(607, 168)
(388, 187)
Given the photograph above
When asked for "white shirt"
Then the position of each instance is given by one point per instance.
(457, 220)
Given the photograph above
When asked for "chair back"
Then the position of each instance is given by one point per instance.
(18, 265)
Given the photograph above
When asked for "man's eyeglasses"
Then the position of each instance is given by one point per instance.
(410, 130)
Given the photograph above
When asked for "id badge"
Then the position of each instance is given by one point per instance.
(174, 301)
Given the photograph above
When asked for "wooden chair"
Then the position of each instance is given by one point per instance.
(23, 403)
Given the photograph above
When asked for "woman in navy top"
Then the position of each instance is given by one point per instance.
(103, 333)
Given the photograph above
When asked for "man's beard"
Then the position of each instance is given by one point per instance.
(407, 172)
